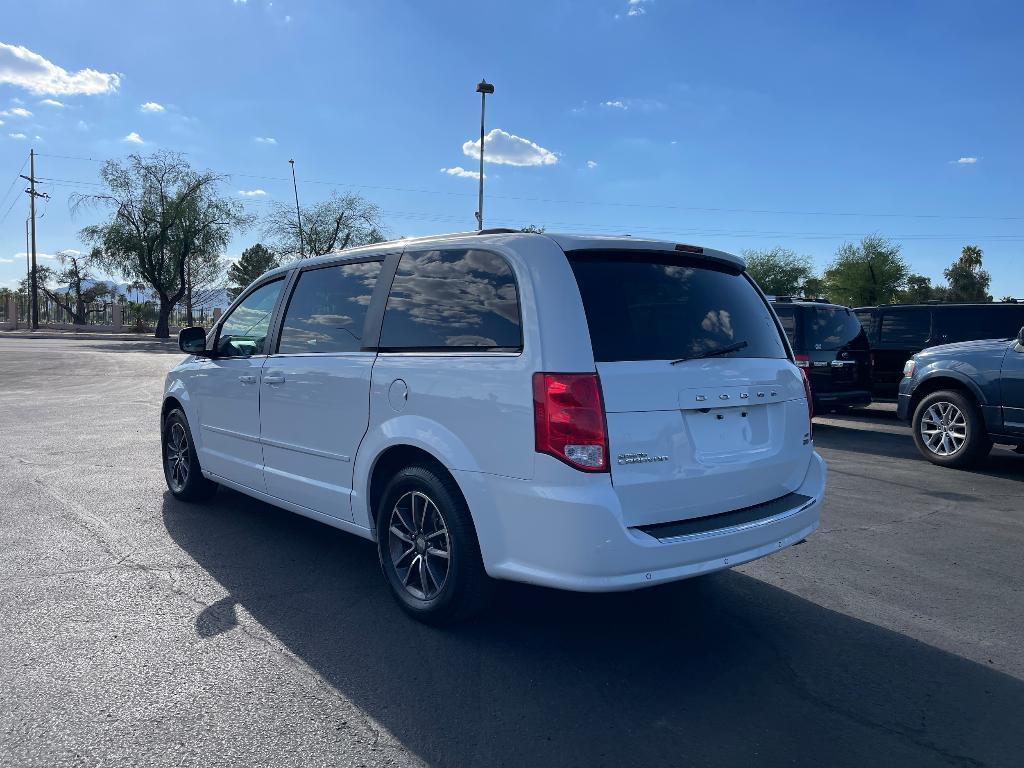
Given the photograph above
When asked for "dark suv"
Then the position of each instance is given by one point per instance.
(831, 346)
(962, 398)
(897, 331)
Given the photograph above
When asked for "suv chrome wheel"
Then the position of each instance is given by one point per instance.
(419, 544)
(177, 457)
(943, 428)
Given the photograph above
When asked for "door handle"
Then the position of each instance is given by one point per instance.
(247, 379)
(274, 378)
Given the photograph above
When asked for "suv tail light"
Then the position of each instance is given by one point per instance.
(803, 361)
(810, 404)
(568, 417)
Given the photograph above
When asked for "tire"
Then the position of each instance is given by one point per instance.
(425, 536)
(182, 472)
(949, 429)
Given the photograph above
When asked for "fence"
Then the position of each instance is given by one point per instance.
(15, 312)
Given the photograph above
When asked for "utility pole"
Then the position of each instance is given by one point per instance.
(483, 88)
(32, 195)
(298, 213)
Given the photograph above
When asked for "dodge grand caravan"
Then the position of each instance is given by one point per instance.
(585, 413)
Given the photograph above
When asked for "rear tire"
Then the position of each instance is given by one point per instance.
(949, 429)
(182, 472)
(428, 548)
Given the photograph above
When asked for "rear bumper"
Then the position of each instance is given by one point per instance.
(572, 536)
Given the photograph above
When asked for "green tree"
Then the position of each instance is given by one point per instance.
(814, 287)
(920, 290)
(341, 221)
(162, 214)
(779, 271)
(254, 261)
(533, 228)
(74, 286)
(967, 280)
(869, 272)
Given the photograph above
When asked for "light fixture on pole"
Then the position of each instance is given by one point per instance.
(483, 88)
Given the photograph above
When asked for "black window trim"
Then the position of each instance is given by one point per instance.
(287, 279)
(371, 324)
(449, 351)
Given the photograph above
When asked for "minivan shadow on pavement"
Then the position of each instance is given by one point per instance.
(721, 670)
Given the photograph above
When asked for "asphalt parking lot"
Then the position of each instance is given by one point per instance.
(137, 630)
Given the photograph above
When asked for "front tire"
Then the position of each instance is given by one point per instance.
(949, 430)
(182, 472)
(428, 548)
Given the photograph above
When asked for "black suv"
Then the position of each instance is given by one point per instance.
(832, 347)
(898, 331)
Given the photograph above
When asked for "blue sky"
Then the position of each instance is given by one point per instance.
(734, 125)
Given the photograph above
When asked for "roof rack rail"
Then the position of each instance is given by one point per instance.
(497, 231)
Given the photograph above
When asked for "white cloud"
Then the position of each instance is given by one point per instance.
(617, 104)
(82, 125)
(52, 103)
(6, 261)
(20, 255)
(251, 192)
(967, 161)
(152, 106)
(591, 164)
(16, 112)
(463, 173)
(505, 148)
(265, 140)
(133, 138)
(27, 69)
(17, 135)
(636, 8)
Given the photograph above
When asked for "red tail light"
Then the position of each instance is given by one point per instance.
(810, 404)
(568, 417)
(803, 361)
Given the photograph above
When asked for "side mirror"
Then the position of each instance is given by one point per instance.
(1020, 337)
(192, 341)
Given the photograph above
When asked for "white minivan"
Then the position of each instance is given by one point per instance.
(585, 413)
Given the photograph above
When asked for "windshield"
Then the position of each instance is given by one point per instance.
(653, 306)
(831, 328)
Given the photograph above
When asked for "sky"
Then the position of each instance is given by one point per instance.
(731, 125)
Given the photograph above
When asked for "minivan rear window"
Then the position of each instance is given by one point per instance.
(831, 328)
(655, 306)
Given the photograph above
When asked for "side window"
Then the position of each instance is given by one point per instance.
(971, 323)
(327, 309)
(448, 300)
(909, 328)
(787, 318)
(867, 322)
(244, 331)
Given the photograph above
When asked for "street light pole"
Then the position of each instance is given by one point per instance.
(298, 213)
(483, 88)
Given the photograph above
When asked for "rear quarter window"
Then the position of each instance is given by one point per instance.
(654, 306)
(452, 300)
(787, 319)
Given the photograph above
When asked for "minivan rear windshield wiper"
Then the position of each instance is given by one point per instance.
(713, 352)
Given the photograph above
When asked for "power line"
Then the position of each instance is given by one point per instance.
(4, 198)
(652, 206)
